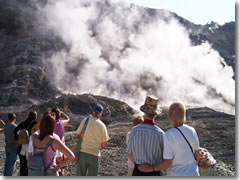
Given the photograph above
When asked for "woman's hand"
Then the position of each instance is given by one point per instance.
(55, 169)
(145, 168)
(76, 136)
(2, 122)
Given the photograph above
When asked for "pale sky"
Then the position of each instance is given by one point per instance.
(196, 11)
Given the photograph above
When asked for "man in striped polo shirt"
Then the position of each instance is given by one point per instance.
(145, 144)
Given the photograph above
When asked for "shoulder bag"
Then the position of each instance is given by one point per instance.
(77, 147)
(186, 141)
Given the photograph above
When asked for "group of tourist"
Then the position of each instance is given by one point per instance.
(150, 149)
(47, 136)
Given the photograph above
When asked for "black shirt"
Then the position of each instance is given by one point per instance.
(27, 124)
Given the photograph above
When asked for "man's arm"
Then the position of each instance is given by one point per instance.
(20, 126)
(131, 158)
(197, 155)
(104, 144)
(105, 137)
(167, 163)
(2, 124)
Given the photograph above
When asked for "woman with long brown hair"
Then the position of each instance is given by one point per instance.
(45, 137)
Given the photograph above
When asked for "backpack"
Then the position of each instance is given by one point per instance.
(36, 161)
(23, 135)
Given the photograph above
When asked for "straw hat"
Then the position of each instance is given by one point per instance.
(151, 105)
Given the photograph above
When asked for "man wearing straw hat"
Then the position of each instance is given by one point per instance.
(145, 144)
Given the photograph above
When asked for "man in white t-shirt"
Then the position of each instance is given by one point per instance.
(178, 151)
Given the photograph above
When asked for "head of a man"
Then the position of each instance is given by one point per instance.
(11, 117)
(150, 107)
(177, 114)
(149, 116)
(32, 115)
(97, 111)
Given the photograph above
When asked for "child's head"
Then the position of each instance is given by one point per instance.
(137, 120)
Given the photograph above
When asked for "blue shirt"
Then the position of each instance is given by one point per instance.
(10, 143)
(146, 144)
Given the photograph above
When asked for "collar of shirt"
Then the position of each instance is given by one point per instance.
(92, 117)
(148, 121)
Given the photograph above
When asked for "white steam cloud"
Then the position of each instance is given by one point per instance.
(116, 50)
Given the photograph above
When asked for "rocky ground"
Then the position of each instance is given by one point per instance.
(215, 131)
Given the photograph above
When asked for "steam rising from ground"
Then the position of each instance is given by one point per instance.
(117, 50)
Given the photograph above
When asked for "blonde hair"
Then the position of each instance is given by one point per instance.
(137, 120)
(177, 114)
